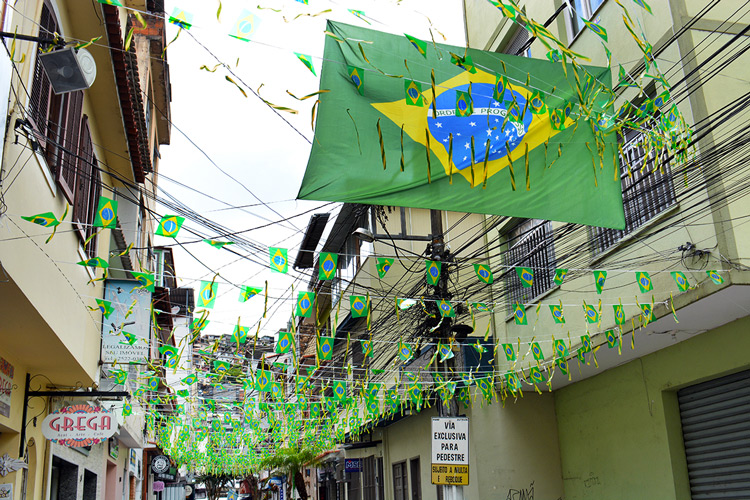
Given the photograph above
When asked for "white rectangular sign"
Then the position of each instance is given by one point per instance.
(450, 440)
(125, 333)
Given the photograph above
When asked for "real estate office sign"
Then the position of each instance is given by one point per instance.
(450, 451)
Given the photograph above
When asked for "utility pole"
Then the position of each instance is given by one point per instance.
(439, 253)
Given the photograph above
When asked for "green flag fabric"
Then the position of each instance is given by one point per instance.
(279, 260)
(327, 263)
(207, 295)
(169, 226)
(358, 304)
(285, 342)
(106, 213)
(325, 348)
(433, 271)
(494, 173)
(305, 301)
(484, 273)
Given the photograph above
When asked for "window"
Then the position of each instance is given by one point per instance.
(530, 244)
(368, 478)
(581, 9)
(400, 481)
(647, 188)
(64, 135)
(416, 479)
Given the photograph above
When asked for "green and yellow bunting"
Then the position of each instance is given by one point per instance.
(325, 348)
(682, 282)
(557, 313)
(116, 3)
(358, 306)
(586, 343)
(561, 350)
(560, 275)
(619, 314)
(643, 4)
(105, 307)
(366, 348)
(519, 314)
(480, 307)
(599, 278)
(432, 269)
(305, 301)
(221, 366)
(715, 277)
(526, 275)
(612, 339)
(464, 105)
(263, 379)
(307, 61)
(47, 219)
(339, 390)
(218, 244)
(383, 265)
(446, 309)
(644, 281)
(405, 351)
(510, 353)
(169, 226)
(245, 26)
(95, 262)
(239, 335)
(562, 365)
(106, 213)
(484, 273)
(413, 93)
(279, 260)
(536, 351)
(285, 342)
(207, 294)
(190, 379)
(536, 103)
(445, 351)
(598, 30)
(248, 292)
(181, 18)
(647, 313)
(357, 77)
(535, 375)
(591, 313)
(327, 264)
(147, 280)
(418, 44)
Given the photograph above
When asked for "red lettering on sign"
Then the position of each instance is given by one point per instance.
(79, 423)
(90, 424)
(67, 424)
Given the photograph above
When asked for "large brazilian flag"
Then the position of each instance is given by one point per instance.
(460, 149)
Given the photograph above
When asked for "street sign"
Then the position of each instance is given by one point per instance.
(450, 451)
(352, 465)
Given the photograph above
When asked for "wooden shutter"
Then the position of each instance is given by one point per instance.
(40, 87)
(68, 163)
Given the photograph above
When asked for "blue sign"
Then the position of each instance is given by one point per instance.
(352, 465)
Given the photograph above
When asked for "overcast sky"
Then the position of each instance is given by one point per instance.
(265, 155)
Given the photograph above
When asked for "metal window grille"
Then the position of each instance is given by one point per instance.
(530, 244)
(647, 188)
(368, 478)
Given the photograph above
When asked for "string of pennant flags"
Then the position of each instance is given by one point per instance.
(316, 411)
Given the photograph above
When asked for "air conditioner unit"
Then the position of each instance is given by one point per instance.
(69, 69)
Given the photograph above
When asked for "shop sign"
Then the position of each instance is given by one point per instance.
(352, 465)
(131, 315)
(450, 451)
(159, 464)
(6, 386)
(79, 425)
(158, 486)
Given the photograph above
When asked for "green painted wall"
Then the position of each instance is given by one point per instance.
(619, 432)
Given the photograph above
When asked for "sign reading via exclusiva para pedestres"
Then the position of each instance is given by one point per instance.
(450, 451)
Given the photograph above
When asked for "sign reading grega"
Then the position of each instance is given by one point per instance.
(79, 425)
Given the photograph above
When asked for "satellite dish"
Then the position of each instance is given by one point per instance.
(69, 70)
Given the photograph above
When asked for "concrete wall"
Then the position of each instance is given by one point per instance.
(620, 432)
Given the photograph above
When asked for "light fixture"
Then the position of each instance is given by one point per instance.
(69, 69)
(364, 234)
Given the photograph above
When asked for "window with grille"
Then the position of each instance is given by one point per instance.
(647, 188)
(530, 244)
(400, 481)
